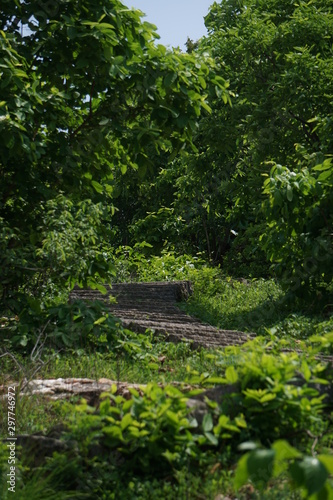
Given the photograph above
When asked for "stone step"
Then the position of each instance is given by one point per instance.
(153, 306)
(162, 291)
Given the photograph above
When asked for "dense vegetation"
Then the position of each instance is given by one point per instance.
(121, 160)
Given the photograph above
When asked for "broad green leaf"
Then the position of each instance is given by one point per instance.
(278, 199)
(134, 432)
(114, 432)
(231, 375)
(283, 453)
(173, 392)
(170, 79)
(104, 122)
(211, 438)
(72, 32)
(241, 474)
(327, 460)
(326, 165)
(172, 416)
(206, 106)
(325, 175)
(306, 371)
(217, 380)
(100, 320)
(289, 193)
(202, 82)
(100, 288)
(267, 397)
(310, 474)
(171, 457)
(97, 186)
(24, 341)
(260, 466)
(248, 446)
(126, 421)
(207, 423)
(241, 422)
(224, 423)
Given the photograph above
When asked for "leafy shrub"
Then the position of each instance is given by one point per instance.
(298, 236)
(80, 324)
(275, 392)
(149, 434)
(153, 435)
(135, 264)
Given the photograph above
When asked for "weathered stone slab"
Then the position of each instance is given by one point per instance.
(67, 388)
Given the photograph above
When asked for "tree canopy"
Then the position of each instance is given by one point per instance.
(85, 93)
(257, 192)
(93, 114)
(278, 57)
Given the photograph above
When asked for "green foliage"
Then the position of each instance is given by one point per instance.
(153, 435)
(145, 435)
(133, 264)
(73, 241)
(277, 58)
(298, 238)
(140, 437)
(150, 431)
(93, 113)
(38, 485)
(76, 240)
(158, 228)
(264, 390)
(310, 474)
(79, 325)
(235, 304)
(253, 305)
(84, 94)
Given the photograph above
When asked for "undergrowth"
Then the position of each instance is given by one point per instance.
(275, 417)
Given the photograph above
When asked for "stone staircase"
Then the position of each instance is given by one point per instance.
(153, 305)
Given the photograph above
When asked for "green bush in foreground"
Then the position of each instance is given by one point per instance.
(154, 436)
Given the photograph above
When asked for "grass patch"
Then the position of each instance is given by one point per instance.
(258, 306)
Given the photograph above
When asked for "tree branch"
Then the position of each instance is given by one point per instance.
(311, 134)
